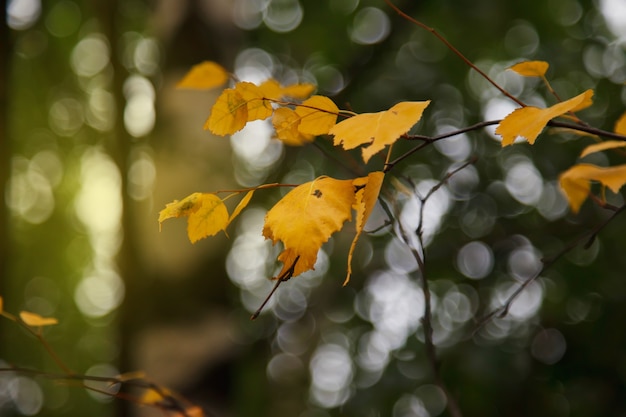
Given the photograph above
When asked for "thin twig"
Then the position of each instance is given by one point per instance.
(589, 236)
(286, 276)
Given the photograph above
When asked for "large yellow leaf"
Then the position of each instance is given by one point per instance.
(528, 122)
(575, 182)
(365, 199)
(286, 123)
(203, 76)
(207, 215)
(229, 113)
(318, 115)
(378, 129)
(620, 125)
(306, 217)
(35, 320)
(531, 68)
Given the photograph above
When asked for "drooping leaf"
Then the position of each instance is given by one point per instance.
(620, 125)
(242, 205)
(204, 76)
(229, 114)
(206, 212)
(306, 217)
(529, 121)
(258, 107)
(378, 129)
(576, 181)
(35, 320)
(602, 146)
(365, 200)
(531, 68)
(318, 115)
(286, 122)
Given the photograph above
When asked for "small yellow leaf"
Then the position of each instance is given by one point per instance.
(378, 129)
(229, 114)
(35, 320)
(286, 122)
(575, 182)
(365, 200)
(258, 107)
(531, 68)
(203, 76)
(298, 91)
(152, 396)
(528, 122)
(209, 219)
(271, 89)
(206, 212)
(620, 125)
(306, 217)
(242, 205)
(318, 115)
(602, 146)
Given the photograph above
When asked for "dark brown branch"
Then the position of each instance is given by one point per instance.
(286, 276)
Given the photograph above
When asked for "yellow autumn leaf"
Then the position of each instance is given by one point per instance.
(378, 129)
(602, 146)
(271, 89)
(207, 215)
(365, 200)
(203, 76)
(1, 305)
(306, 217)
(528, 122)
(154, 396)
(620, 125)
(576, 181)
(286, 122)
(35, 320)
(298, 91)
(229, 114)
(257, 105)
(531, 68)
(318, 115)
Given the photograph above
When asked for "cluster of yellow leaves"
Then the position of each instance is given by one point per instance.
(528, 122)
(576, 181)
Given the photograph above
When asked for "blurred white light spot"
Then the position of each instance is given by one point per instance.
(147, 56)
(90, 55)
(522, 39)
(495, 109)
(409, 406)
(98, 295)
(524, 263)
(371, 25)
(22, 14)
(26, 395)
(248, 14)
(98, 203)
(525, 305)
(100, 109)
(457, 148)
(614, 12)
(139, 113)
(141, 177)
(475, 260)
(524, 182)
(66, 116)
(283, 15)
(331, 371)
(548, 346)
(30, 192)
(433, 398)
(285, 368)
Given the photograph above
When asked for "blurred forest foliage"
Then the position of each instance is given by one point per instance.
(95, 139)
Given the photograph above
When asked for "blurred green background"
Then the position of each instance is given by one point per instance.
(95, 140)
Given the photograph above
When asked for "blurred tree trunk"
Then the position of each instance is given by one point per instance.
(5, 146)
